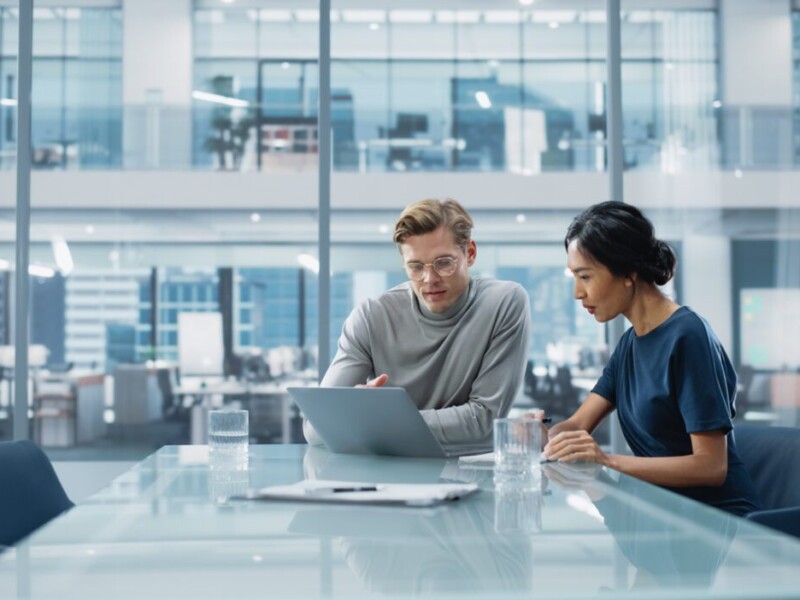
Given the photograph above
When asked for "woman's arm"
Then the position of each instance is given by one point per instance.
(707, 465)
(593, 410)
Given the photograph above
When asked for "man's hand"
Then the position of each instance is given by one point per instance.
(379, 381)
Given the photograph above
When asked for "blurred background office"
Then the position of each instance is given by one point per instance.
(174, 249)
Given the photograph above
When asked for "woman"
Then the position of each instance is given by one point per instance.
(669, 378)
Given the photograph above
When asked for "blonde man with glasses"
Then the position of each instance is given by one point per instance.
(457, 344)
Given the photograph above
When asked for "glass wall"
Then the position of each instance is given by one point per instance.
(77, 93)
(518, 91)
(207, 139)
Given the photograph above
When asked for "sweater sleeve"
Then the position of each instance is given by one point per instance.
(498, 379)
(351, 365)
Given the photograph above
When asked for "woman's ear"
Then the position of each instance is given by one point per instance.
(630, 280)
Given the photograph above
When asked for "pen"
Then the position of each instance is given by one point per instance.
(334, 490)
(547, 420)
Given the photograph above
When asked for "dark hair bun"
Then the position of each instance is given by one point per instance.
(662, 263)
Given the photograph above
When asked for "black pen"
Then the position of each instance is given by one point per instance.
(335, 490)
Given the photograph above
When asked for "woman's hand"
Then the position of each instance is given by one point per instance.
(571, 446)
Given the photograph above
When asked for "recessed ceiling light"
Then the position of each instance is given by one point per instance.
(553, 24)
(285, 65)
(738, 174)
(520, 218)
(526, 2)
(384, 229)
(374, 26)
(89, 229)
(255, 217)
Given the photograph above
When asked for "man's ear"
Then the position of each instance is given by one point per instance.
(472, 252)
(630, 280)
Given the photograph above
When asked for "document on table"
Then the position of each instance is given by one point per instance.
(358, 492)
(477, 461)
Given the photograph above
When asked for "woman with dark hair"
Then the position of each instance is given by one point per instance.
(669, 378)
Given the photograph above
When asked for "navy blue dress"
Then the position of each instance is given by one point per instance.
(671, 382)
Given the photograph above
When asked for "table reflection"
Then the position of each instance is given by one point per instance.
(666, 550)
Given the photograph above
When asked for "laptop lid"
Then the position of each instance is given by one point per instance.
(367, 421)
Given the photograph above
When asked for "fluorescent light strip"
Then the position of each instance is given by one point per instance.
(410, 16)
(8, 102)
(364, 16)
(217, 99)
(308, 262)
(483, 100)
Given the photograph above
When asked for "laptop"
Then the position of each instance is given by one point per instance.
(381, 421)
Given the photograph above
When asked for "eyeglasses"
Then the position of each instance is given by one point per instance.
(444, 266)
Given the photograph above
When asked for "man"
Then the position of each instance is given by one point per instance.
(458, 345)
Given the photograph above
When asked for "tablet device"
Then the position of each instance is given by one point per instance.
(371, 421)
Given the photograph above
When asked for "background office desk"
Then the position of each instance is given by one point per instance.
(159, 531)
(215, 395)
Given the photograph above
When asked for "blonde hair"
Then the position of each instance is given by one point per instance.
(426, 216)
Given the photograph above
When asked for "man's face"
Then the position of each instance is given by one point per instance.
(437, 292)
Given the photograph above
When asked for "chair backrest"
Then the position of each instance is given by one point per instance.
(30, 492)
(771, 456)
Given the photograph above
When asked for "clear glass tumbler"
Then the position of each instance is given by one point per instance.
(517, 446)
(228, 437)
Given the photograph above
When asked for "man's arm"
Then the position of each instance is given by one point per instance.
(497, 382)
(352, 364)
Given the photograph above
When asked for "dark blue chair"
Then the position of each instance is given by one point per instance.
(30, 492)
(771, 456)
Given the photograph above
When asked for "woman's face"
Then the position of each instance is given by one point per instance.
(600, 292)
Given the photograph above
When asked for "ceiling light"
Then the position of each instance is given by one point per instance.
(374, 26)
(502, 16)
(410, 16)
(285, 65)
(307, 16)
(738, 174)
(526, 2)
(227, 1)
(8, 102)
(40, 271)
(553, 24)
(89, 229)
(275, 16)
(308, 262)
(669, 66)
(218, 99)
(483, 99)
(364, 16)
(716, 104)
(520, 218)
(255, 218)
(384, 229)
(62, 255)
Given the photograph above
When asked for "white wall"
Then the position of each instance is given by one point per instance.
(707, 284)
(157, 71)
(756, 52)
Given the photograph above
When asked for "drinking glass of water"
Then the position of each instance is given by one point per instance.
(228, 432)
(517, 447)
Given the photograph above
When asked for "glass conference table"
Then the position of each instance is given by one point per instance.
(168, 529)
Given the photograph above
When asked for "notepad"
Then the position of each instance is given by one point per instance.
(477, 461)
(359, 492)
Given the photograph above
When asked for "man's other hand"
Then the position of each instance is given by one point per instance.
(379, 381)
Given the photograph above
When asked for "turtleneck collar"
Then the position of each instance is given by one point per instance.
(451, 313)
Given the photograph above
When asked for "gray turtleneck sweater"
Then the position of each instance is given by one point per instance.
(462, 367)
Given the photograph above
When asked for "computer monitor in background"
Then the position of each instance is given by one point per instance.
(200, 349)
